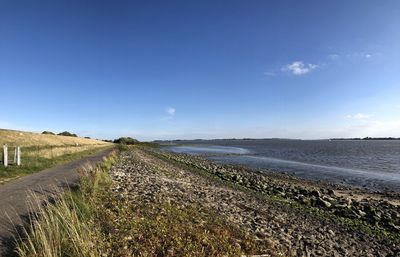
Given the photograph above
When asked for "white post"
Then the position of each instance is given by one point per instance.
(5, 155)
(17, 156)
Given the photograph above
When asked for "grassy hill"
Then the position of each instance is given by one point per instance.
(22, 138)
(40, 151)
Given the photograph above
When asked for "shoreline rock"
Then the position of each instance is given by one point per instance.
(150, 176)
(379, 213)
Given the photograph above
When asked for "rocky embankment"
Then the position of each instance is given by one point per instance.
(273, 209)
(381, 213)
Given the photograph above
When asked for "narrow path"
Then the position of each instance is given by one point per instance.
(15, 196)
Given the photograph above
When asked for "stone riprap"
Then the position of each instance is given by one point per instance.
(258, 203)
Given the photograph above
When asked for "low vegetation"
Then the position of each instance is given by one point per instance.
(65, 227)
(144, 202)
(126, 141)
(47, 133)
(37, 158)
(41, 151)
(96, 221)
(22, 138)
(67, 134)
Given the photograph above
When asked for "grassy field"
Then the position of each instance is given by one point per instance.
(21, 138)
(40, 151)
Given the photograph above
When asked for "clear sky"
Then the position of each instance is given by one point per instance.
(201, 69)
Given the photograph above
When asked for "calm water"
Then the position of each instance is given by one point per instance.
(373, 164)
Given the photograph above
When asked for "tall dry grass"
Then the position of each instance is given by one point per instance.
(66, 227)
(60, 229)
(54, 151)
(22, 138)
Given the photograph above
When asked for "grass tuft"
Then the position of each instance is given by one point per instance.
(65, 227)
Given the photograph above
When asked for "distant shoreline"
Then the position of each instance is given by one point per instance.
(368, 138)
(249, 139)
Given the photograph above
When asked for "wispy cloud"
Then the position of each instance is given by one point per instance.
(358, 116)
(350, 56)
(269, 73)
(170, 113)
(299, 68)
(334, 57)
(359, 55)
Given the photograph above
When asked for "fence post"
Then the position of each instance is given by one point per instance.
(5, 155)
(17, 156)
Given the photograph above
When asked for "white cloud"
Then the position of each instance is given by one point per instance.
(359, 116)
(299, 68)
(170, 111)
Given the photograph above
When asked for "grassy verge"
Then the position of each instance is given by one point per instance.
(97, 221)
(66, 227)
(37, 158)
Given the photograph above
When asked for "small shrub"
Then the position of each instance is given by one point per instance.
(67, 134)
(47, 133)
(126, 141)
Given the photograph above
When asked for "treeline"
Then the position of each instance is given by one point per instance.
(368, 138)
(64, 133)
(131, 141)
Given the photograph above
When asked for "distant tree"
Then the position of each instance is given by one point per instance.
(67, 134)
(107, 140)
(47, 133)
(87, 137)
(126, 141)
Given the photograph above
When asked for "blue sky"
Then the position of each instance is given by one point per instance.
(201, 69)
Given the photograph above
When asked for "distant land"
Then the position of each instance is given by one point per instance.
(368, 138)
(226, 139)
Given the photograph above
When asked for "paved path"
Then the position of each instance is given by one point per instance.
(14, 196)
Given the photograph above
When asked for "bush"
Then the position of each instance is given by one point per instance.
(126, 141)
(47, 133)
(67, 134)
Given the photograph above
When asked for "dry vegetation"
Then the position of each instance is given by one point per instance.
(65, 227)
(13, 137)
(39, 151)
(96, 221)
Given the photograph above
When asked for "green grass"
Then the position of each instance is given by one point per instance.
(37, 158)
(66, 227)
(164, 229)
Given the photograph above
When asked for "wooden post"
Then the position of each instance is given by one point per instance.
(5, 155)
(17, 156)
